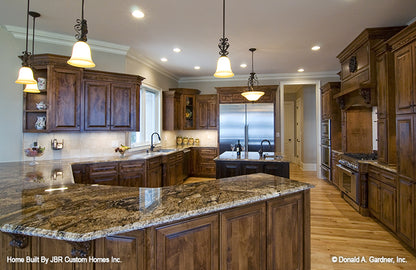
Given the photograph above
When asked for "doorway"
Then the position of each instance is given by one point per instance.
(289, 130)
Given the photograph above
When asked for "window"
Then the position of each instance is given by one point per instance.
(149, 117)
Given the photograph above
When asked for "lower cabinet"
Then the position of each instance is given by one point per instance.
(203, 164)
(103, 173)
(235, 168)
(173, 169)
(406, 211)
(132, 173)
(154, 172)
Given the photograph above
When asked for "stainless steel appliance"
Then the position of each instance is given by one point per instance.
(326, 149)
(352, 181)
(249, 123)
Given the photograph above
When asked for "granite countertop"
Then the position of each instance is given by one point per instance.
(375, 163)
(249, 156)
(43, 201)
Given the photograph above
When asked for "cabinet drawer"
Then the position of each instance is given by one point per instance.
(131, 166)
(153, 163)
(209, 153)
(383, 176)
(103, 168)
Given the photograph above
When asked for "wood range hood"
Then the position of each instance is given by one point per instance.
(359, 68)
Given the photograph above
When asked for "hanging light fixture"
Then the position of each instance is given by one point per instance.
(25, 73)
(223, 63)
(81, 52)
(33, 87)
(250, 94)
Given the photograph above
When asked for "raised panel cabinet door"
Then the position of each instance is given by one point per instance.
(406, 211)
(128, 247)
(374, 197)
(382, 140)
(249, 168)
(202, 113)
(382, 84)
(404, 80)
(212, 112)
(229, 169)
(97, 105)
(188, 245)
(243, 238)
(123, 100)
(405, 139)
(66, 100)
(326, 104)
(132, 179)
(285, 225)
(388, 206)
(277, 168)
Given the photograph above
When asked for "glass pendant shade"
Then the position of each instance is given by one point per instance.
(81, 55)
(252, 95)
(223, 68)
(25, 76)
(31, 88)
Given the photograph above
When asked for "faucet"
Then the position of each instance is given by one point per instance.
(261, 147)
(152, 147)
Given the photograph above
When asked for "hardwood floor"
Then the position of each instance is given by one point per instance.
(337, 230)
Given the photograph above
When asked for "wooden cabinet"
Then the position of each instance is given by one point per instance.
(406, 137)
(173, 169)
(203, 164)
(154, 172)
(406, 211)
(229, 95)
(382, 198)
(230, 168)
(335, 156)
(248, 226)
(111, 101)
(206, 112)
(132, 173)
(179, 109)
(129, 247)
(103, 173)
(404, 70)
(191, 244)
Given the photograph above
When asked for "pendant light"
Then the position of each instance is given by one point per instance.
(33, 87)
(250, 94)
(25, 73)
(81, 52)
(223, 63)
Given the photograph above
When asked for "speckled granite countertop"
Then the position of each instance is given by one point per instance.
(392, 169)
(43, 201)
(249, 156)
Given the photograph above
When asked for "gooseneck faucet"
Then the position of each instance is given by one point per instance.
(261, 147)
(152, 147)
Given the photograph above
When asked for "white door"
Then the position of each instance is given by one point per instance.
(289, 136)
(299, 119)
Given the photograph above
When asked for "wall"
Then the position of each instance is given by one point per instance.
(309, 125)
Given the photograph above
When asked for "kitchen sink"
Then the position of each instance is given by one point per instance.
(166, 150)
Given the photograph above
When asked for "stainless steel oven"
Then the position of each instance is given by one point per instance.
(326, 155)
(349, 182)
(326, 129)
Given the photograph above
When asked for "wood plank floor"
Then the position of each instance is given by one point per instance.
(338, 230)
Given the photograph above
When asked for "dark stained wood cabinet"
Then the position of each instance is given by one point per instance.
(154, 172)
(406, 211)
(206, 112)
(404, 70)
(191, 244)
(129, 247)
(248, 225)
(335, 156)
(179, 109)
(230, 168)
(357, 130)
(132, 173)
(229, 95)
(332, 112)
(111, 101)
(173, 169)
(203, 164)
(405, 137)
(103, 173)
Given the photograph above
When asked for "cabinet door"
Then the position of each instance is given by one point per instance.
(212, 112)
(105, 173)
(382, 84)
(179, 168)
(404, 80)
(66, 100)
(189, 120)
(154, 172)
(78, 171)
(326, 104)
(406, 211)
(206, 112)
(243, 238)
(229, 169)
(405, 138)
(191, 244)
(249, 168)
(123, 112)
(285, 225)
(132, 179)
(382, 142)
(277, 168)
(129, 247)
(202, 113)
(374, 197)
(388, 206)
(97, 105)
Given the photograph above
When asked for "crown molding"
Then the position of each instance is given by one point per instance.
(277, 76)
(133, 55)
(67, 40)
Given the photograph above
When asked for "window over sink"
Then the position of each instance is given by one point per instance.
(150, 117)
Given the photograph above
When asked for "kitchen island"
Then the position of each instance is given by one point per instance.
(254, 221)
(230, 164)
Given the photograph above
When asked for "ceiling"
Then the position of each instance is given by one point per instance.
(282, 31)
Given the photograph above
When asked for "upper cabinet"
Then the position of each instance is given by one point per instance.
(358, 67)
(206, 112)
(75, 99)
(111, 101)
(179, 109)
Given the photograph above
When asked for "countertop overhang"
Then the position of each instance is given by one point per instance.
(58, 208)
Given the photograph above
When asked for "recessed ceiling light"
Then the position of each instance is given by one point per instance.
(301, 70)
(315, 48)
(197, 67)
(177, 50)
(243, 65)
(163, 59)
(137, 13)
